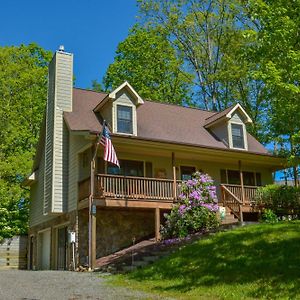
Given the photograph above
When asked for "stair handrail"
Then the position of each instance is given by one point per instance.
(238, 203)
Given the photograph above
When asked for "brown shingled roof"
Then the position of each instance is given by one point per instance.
(82, 118)
(218, 115)
(156, 121)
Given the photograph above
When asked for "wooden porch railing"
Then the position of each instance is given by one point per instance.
(231, 200)
(129, 187)
(249, 192)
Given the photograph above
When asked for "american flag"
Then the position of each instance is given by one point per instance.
(109, 150)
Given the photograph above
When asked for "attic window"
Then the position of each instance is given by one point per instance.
(237, 136)
(124, 119)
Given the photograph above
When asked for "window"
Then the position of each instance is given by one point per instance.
(127, 168)
(248, 178)
(124, 119)
(187, 172)
(233, 177)
(237, 136)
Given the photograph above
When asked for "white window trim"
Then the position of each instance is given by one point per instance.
(115, 117)
(230, 135)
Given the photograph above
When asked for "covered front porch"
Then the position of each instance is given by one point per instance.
(143, 192)
(149, 182)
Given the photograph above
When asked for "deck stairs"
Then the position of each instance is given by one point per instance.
(230, 218)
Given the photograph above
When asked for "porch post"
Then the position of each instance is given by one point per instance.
(157, 224)
(174, 177)
(242, 181)
(92, 215)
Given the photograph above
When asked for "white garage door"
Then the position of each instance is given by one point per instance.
(45, 246)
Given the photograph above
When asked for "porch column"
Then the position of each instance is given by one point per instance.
(94, 237)
(157, 224)
(242, 181)
(174, 177)
(92, 214)
(243, 190)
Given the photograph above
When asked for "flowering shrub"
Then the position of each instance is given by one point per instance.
(196, 209)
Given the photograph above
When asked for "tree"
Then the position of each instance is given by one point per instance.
(278, 46)
(23, 92)
(208, 35)
(149, 63)
(96, 86)
(214, 38)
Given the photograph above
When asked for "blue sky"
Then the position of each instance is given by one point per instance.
(90, 29)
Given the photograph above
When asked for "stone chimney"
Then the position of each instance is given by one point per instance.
(60, 91)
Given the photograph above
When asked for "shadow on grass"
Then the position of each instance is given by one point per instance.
(265, 259)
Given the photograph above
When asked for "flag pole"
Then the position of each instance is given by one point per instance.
(92, 207)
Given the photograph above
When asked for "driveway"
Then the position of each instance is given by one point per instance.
(34, 285)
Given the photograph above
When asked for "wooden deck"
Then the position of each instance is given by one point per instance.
(143, 192)
(129, 191)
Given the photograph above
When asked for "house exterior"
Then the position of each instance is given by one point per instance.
(74, 219)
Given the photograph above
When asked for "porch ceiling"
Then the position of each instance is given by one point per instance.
(191, 152)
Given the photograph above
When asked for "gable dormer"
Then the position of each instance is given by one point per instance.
(229, 126)
(119, 109)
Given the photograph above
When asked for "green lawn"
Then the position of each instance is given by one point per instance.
(258, 261)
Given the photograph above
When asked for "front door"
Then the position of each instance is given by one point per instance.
(62, 248)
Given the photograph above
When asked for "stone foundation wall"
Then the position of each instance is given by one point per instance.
(115, 229)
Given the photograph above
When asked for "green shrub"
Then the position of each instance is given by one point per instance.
(281, 199)
(268, 216)
(196, 209)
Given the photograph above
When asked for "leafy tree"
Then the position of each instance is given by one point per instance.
(208, 35)
(96, 86)
(278, 47)
(23, 92)
(149, 63)
(215, 40)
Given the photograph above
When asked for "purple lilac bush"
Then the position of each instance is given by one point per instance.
(196, 210)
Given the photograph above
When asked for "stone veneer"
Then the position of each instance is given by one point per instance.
(115, 229)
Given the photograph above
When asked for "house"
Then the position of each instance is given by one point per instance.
(74, 219)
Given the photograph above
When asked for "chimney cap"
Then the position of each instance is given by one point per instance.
(61, 48)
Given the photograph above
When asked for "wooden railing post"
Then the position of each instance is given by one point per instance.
(174, 177)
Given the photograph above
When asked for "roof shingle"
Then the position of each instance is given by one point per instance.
(155, 121)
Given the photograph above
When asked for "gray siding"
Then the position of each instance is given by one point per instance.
(78, 143)
(237, 118)
(56, 159)
(36, 209)
(221, 132)
(49, 140)
(106, 113)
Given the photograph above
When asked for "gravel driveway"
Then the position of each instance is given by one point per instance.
(34, 285)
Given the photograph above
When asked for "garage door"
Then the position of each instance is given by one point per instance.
(45, 246)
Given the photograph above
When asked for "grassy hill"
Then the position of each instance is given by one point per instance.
(253, 262)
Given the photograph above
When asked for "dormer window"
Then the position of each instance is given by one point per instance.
(237, 136)
(124, 119)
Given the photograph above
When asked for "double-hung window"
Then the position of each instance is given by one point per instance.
(237, 136)
(124, 119)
